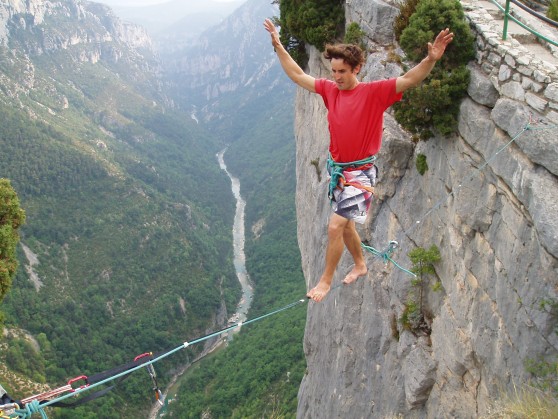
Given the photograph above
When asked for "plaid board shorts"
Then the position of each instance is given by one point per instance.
(352, 202)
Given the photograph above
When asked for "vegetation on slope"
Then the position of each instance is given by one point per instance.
(129, 217)
(11, 218)
(259, 373)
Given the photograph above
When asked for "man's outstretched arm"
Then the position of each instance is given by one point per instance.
(417, 74)
(291, 68)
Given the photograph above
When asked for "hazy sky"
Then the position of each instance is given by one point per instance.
(132, 3)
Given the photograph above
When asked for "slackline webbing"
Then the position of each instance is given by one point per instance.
(35, 406)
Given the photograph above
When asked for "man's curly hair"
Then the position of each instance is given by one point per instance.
(349, 53)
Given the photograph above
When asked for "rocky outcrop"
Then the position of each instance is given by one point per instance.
(73, 34)
(37, 27)
(209, 74)
(486, 202)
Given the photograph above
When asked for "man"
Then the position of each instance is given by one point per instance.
(355, 117)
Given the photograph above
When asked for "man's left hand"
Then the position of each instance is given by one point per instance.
(437, 49)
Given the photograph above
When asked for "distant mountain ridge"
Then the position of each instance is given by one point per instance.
(133, 251)
(84, 32)
(97, 23)
(234, 56)
(158, 18)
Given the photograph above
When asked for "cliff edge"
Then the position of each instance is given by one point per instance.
(487, 202)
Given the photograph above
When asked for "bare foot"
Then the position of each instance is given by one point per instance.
(355, 273)
(319, 291)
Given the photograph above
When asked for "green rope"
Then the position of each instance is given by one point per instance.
(35, 406)
(386, 255)
(240, 324)
(336, 171)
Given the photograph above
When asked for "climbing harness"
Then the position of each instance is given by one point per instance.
(336, 169)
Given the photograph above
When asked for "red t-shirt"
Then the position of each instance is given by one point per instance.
(356, 117)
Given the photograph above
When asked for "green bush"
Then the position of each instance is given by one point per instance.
(315, 22)
(435, 104)
(552, 12)
(421, 164)
(402, 20)
(415, 315)
(355, 35)
(430, 17)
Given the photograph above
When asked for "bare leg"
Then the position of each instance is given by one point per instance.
(352, 241)
(335, 247)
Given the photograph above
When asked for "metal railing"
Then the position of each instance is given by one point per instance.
(508, 16)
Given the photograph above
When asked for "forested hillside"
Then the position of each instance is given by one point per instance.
(259, 373)
(127, 243)
(251, 107)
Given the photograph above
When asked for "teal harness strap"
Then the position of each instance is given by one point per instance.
(336, 171)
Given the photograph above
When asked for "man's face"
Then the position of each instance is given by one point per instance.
(343, 75)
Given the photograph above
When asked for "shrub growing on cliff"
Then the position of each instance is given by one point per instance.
(406, 10)
(413, 317)
(315, 22)
(435, 104)
(355, 35)
(421, 164)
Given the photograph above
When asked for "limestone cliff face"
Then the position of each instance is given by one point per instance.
(38, 26)
(230, 57)
(494, 222)
(73, 34)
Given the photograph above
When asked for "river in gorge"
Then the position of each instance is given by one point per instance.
(238, 244)
(239, 260)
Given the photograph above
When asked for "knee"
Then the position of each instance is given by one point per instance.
(350, 227)
(335, 230)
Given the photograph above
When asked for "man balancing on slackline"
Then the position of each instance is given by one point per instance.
(355, 117)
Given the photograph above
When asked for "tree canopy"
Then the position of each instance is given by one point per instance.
(11, 218)
(435, 104)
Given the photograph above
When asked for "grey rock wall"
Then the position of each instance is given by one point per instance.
(487, 202)
(47, 20)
